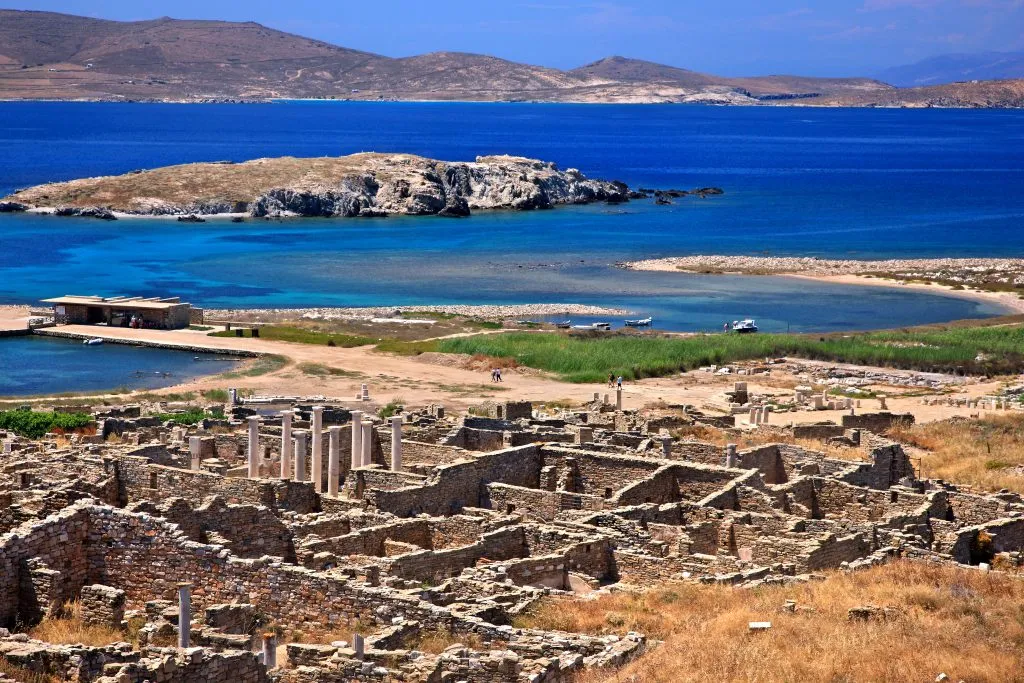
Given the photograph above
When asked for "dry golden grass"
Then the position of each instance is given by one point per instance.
(23, 675)
(68, 628)
(979, 452)
(965, 623)
(436, 642)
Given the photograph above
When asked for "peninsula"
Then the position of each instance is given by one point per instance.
(366, 185)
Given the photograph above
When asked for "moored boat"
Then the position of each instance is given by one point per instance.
(747, 326)
(643, 322)
(95, 341)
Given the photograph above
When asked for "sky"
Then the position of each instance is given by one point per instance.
(726, 37)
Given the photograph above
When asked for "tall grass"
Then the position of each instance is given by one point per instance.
(69, 628)
(952, 620)
(987, 453)
(579, 358)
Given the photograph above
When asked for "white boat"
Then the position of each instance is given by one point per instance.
(644, 322)
(593, 326)
(95, 341)
(564, 325)
(747, 326)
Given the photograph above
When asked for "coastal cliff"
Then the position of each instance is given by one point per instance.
(367, 184)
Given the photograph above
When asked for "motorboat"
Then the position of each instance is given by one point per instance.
(95, 341)
(644, 322)
(747, 326)
(564, 325)
(593, 326)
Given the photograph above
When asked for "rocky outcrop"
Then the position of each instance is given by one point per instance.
(360, 185)
(12, 207)
(86, 212)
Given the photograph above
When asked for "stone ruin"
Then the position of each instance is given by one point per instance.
(314, 543)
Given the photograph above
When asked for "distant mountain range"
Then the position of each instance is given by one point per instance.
(44, 55)
(983, 66)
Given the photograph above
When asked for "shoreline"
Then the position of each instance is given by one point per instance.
(487, 311)
(954, 277)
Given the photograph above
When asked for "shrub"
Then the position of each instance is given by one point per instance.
(33, 425)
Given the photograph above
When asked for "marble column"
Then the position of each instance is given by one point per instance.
(270, 650)
(367, 444)
(254, 447)
(195, 448)
(286, 444)
(357, 438)
(333, 460)
(730, 455)
(184, 614)
(317, 437)
(618, 398)
(299, 454)
(396, 443)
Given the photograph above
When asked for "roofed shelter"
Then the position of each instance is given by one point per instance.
(168, 313)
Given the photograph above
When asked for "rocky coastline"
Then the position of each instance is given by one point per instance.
(359, 185)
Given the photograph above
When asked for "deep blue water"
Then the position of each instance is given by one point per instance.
(40, 365)
(835, 182)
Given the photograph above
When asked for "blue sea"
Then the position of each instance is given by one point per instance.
(864, 183)
(40, 365)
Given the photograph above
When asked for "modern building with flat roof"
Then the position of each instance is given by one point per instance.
(164, 313)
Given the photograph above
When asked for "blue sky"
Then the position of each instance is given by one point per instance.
(728, 37)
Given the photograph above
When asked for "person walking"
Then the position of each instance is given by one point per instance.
(619, 382)
(497, 374)
(611, 379)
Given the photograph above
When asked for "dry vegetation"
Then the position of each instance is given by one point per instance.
(953, 620)
(188, 183)
(68, 628)
(986, 453)
(765, 435)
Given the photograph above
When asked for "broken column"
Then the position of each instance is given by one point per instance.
(317, 464)
(300, 454)
(286, 444)
(195, 448)
(357, 438)
(333, 460)
(753, 415)
(396, 443)
(730, 455)
(367, 444)
(254, 447)
(618, 398)
(270, 650)
(765, 412)
(365, 392)
(881, 402)
(358, 646)
(184, 614)
(232, 397)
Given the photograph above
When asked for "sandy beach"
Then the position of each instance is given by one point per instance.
(968, 278)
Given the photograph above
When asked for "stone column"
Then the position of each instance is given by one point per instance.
(184, 614)
(359, 646)
(881, 402)
(333, 460)
(618, 398)
(765, 412)
(730, 455)
(753, 416)
(300, 454)
(254, 447)
(195, 448)
(365, 392)
(232, 397)
(286, 444)
(270, 650)
(357, 438)
(396, 443)
(367, 444)
(317, 464)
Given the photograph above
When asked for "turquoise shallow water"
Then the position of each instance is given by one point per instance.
(861, 183)
(39, 365)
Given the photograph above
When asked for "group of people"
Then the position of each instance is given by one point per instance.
(614, 381)
(135, 322)
(496, 375)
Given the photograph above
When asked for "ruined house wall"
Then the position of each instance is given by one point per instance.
(599, 472)
(437, 565)
(460, 485)
(878, 423)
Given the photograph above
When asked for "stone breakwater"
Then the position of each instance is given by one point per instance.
(966, 271)
(365, 185)
(495, 312)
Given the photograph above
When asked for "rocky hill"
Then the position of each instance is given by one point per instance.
(358, 185)
(45, 55)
